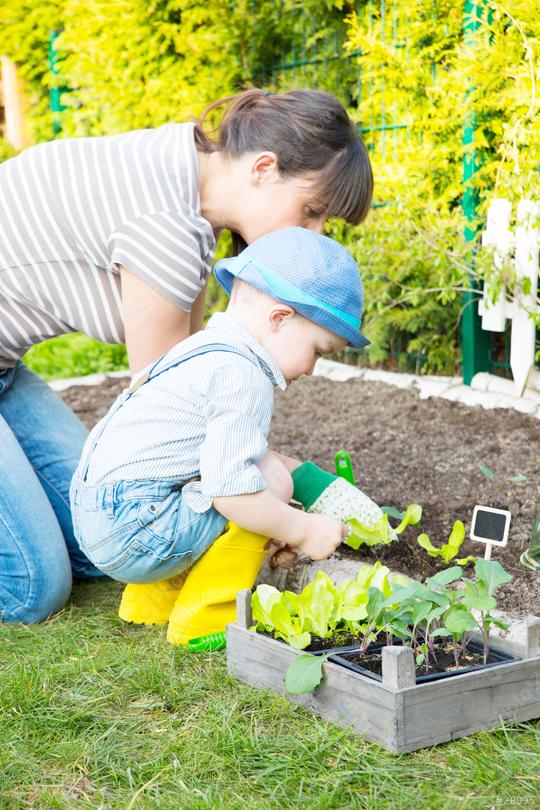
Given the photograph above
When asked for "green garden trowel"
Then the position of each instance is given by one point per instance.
(344, 467)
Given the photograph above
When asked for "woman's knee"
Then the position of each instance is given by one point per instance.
(39, 594)
(277, 476)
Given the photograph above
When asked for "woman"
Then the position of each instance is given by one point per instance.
(114, 236)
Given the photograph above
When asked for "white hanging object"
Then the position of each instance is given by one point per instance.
(498, 237)
(522, 344)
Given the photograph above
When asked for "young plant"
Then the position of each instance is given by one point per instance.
(479, 597)
(499, 488)
(271, 612)
(382, 532)
(449, 550)
(420, 607)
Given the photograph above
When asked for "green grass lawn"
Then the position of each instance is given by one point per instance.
(96, 713)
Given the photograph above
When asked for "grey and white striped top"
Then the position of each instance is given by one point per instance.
(73, 210)
(208, 417)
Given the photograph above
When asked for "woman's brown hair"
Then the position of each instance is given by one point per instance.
(308, 131)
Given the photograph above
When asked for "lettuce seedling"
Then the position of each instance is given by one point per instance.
(450, 549)
(316, 606)
(382, 532)
(262, 601)
(270, 611)
(289, 627)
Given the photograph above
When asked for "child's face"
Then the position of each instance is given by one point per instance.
(295, 343)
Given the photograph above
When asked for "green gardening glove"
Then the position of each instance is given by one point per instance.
(323, 493)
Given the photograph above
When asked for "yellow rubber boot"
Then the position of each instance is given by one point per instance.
(150, 603)
(207, 601)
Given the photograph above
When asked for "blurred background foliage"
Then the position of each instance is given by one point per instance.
(408, 74)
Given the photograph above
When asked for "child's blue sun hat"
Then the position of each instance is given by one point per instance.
(311, 273)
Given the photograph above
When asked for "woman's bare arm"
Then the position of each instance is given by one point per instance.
(152, 324)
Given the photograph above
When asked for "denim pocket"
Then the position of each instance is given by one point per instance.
(97, 528)
(160, 517)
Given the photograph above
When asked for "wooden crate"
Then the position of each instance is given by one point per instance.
(397, 713)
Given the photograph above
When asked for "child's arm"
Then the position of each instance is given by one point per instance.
(261, 512)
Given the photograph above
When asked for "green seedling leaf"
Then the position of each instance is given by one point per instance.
(518, 478)
(376, 575)
(420, 658)
(444, 578)
(421, 612)
(455, 541)
(398, 629)
(435, 613)
(450, 549)
(262, 601)
(440, 632)
(413, 516)
(393, 512)
(492, 574)
(352, 601)
(442, 599)
(374, 604)
(288, 627)
(487, 472)
(479, 601)
(424, 541)
(401, 595)
(362, 534)
(380, 578)
(304, 673)
(317, 606)
(458, 620)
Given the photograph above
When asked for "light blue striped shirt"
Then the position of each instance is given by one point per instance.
(208, 417)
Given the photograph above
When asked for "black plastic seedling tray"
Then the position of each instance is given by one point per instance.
(341, 655)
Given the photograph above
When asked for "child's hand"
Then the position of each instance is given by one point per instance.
(323, 536)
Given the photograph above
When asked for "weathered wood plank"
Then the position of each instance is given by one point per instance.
(447, 709)
(398, 667)
(243, 608)
(533, 638)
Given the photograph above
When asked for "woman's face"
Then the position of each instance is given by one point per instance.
(270, 201)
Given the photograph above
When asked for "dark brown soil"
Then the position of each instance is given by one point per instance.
(443, 663)
(406, 450)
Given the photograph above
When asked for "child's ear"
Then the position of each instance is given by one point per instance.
(278, 316)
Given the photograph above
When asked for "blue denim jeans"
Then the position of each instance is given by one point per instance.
(140, 531)
(41, 441)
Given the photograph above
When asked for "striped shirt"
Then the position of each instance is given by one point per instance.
(208, 417)
(72, 211)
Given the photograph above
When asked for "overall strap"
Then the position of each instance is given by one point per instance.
(154, 371)
(145, 377)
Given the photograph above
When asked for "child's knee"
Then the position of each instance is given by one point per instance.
(277, 476)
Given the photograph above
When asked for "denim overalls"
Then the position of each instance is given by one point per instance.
(141, 531)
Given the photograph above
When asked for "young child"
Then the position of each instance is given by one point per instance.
(183, 451)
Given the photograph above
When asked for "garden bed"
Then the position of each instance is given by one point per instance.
(396, 712)
(405, 450)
